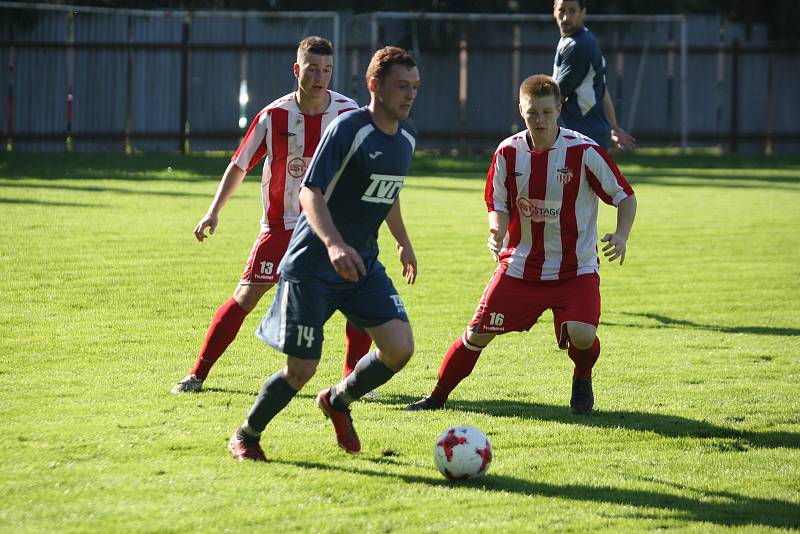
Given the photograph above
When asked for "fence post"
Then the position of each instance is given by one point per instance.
(70, 52)
(734, 135)
(128, 147)
(184, 84)
(768, 148)
(10, 100)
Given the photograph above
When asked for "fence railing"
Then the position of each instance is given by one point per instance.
(88, 78)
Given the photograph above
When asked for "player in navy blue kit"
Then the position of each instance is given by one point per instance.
(351, 187)
(580, 70)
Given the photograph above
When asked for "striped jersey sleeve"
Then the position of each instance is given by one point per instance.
(496, 193)
(605, 178)
(253, 147)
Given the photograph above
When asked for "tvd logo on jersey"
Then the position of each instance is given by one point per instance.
(539, 210)
(383, 188)
(297, 167)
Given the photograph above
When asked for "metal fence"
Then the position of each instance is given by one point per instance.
(82, 78)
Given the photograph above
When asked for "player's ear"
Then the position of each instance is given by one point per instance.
(296, 70)
(372, 85)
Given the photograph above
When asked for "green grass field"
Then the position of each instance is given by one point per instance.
(105, 297)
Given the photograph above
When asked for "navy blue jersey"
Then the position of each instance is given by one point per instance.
(360, 170)
(580, 70)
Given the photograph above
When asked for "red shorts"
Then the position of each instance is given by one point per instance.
(266, 254)
(509, 304)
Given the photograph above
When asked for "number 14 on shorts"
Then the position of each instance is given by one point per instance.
(305, 335)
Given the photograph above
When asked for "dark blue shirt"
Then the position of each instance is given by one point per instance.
(580, 70)
(360, 171)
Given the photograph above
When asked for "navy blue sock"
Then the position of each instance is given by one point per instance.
(369, 373)
(275, 394)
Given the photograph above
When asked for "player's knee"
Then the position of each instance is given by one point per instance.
(248, 295)
(478, 341)
(299, 372)
(581, 335)
(398, 354)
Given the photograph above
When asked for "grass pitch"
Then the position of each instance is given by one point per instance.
(105, 297)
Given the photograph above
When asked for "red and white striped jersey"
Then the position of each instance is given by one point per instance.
(287, 138)
(551, 198)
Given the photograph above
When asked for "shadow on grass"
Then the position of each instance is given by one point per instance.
(113, 166)
(669, 322)
(49, 203)
(718, 507)
(671, 426)
(6, 185)
(775, 181)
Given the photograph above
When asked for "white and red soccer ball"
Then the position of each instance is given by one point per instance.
(462, 452)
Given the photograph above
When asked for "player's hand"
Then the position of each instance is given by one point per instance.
(346, 261)
(409, 262)
(494, 246)
(623, 139)
(209, 221)
(616, 246)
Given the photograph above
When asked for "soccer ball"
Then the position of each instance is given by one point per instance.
(462, 452)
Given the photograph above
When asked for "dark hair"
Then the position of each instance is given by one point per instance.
(581, 3)
(383, 59)
(315, 45)
(539, 85)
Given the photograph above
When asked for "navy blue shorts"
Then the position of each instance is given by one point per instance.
(295, 320)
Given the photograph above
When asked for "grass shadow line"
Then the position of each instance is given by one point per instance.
(670, 322)
(720, 508)
(670, 426)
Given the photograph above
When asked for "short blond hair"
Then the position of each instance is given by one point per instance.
(539, 85)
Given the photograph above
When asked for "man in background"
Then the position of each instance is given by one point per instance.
(580, 70)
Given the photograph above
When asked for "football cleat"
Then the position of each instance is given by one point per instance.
(190, 384)
(244, 450)
(425, 403)
(346, 435)
(582, 397)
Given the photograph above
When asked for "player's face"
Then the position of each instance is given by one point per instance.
(397, 91)
(313, 72)
(541, 115)
(569, 16)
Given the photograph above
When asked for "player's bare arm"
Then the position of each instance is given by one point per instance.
(394, 221)
(619, 137)
(231, 180)
(498, 227)
(616, 243)
(344, 258)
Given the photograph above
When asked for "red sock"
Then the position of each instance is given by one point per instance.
(457, 365)
(221, 332)
(584, 359)
(358, 343)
